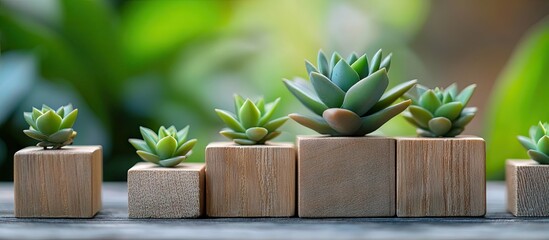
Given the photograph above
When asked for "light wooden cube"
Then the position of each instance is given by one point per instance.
(250, 181)
(346, 176)
(162, 192)
(527, 188)
(441, 177)
(63, 183)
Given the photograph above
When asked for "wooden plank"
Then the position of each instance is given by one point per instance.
(528, 188)
(441, 177)
(160, 192)
(250, 181)
(346, 176)
(64, 183)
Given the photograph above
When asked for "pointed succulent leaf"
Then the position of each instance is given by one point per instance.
(48, 123)
(452, 90)
(172, 162)
(150, 138)
(344, 76)
(409, 118)
(454, 132)
(373, 122)
(440, 126)
(537, 133)
(165, 148)
(469, 110)
(29, 120)
(271, 136)
(312, 103)
(185, 148)
(543, 145)
(229, 119)
(322, 63)
(310, 67)
(376, 62)
(466, 94)
(317, 124)
(361, 66)
(46, 108)
(69, 120)
(149, 157)
(270, 109)
(61, 136)
(238, 102)
(447, 98)
(334, 60)
(392, 95)
(275, 124)
(421, 115)
(463, 120)
(329, 93)
(424, 133)
(249, 114)
(527, 143)
(420, 90)
(260, 104)
(352, 58)
(182, 134)
(36, 113)
(538, 156)
(342, 120)
(162, 132)
(364, 95)
(430, 101)
(230, 134)
(35, 135)
(244, 141)
(256, 133)
(449, 110)
(61, 111)
(386, 63)
(139, 144)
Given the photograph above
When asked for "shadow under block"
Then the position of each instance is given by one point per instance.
(250, 181)
(346, 176)
(63, 183)
(527, 188)
(441, 177)
(162, 192)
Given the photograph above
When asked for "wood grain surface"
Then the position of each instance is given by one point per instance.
(64, 183)
(346, 176)
(160, 192)
(528, 188)
(250, 181)
(441, 177)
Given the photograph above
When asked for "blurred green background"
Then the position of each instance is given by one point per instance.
(151, 63)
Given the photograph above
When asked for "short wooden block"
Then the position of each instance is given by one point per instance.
(441, 177)
(346, 176)
(250, 181)
(160, 192)
(64, 183)
(527, 188)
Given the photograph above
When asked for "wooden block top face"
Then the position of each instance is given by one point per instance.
(64, 183)
(346, 176)
(159, 192)
(441, 177)
(250, 181)
(527, 188)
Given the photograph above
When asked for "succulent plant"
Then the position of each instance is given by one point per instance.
(52, 128)
(252, 122)
(538, 143)
(168, 148)
(348, 96)
(440, 112)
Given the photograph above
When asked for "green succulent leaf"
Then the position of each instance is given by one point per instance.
(352, 58)
(35, 135)
(29, 120)
(329, 93)
(249, 114)
(162, 132)
(334, 60)
(344, 76)
(466, 94)
(454, 132)
(139, 144)
(421, 115)
(312, 103)
(537, 132)
(361, 66)
(270, 109)
(376, 62)
(425, 133)
(36, 113)
(275, 124)
(364, 94)
(61, 111)
(149, 157)
(271, 136)
(386, 63)
(342, 120)
(185, 148)
(46, 108)
(465, 119)
(452, 90)
(230, 134)
(420, 90)
(538, 156)
(244, 141)
(229, 119)
(48, 123)
(69, 120)
(61, 136)
(543, 145)
(256, 133)
(373, 122)
(172, 162)
(260, 104)
(165, 148)
(409, 118)
(449, 110)
(322, 62)
(447, 98)
(182, 135)
(150, 138)
(310, 68)
(317, 124)
(430, 101)
(440, 126)
(392, 95)
(238, 102)
(527, 143)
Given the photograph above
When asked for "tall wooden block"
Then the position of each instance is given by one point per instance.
(64, 183)
(346, 176)
(161, 192)
(527, 188)
(441, 177)
(250, 181)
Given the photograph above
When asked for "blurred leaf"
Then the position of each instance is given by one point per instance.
(519, 101)
(17, 75)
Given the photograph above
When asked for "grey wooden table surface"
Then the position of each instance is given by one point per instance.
(112, 223)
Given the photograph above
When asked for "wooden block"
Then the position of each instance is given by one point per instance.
(250, 181)
(441, 177)
(160, 192)
(64, 183)
(346, 176)
(527, 188)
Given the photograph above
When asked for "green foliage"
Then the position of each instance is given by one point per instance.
(440, 112)
(348, 96)
(538, 143)
(168, 148)
(52, 128)
(252, 122)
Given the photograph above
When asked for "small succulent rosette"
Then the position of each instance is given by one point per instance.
(538, 143)
(53, 128)
(348, 96)
(168, 148)
(252, 123)
(440, 112)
